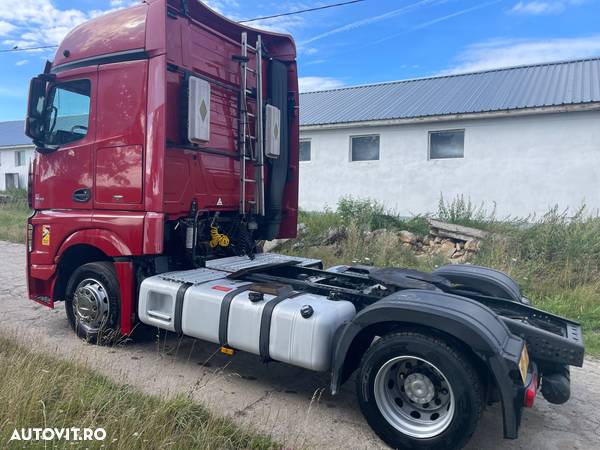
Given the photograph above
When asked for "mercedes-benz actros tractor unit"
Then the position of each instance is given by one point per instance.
(167, 144)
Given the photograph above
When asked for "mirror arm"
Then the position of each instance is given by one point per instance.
(42, 147)
(48, 77)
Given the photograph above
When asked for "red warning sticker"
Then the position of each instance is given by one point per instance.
(222, 288)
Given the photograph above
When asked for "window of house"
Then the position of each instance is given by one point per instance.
(11, 181)
(446, 144)
(305, 150)
(20, 158)
(68, 117)
(364, 148)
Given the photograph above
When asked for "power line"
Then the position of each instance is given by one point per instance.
(291, 13)
(23, 49)
(301, 11)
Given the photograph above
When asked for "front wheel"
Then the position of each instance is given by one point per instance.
(417, 392)
(93, 302)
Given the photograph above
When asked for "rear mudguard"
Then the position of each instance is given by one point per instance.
(475, 325)
(483, 280)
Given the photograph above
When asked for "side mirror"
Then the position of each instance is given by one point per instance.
(35, 108)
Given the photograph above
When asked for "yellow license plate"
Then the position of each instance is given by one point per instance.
(524, 363)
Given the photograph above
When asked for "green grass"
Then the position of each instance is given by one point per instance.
(13, 217)
(555, 258)
(39, 391)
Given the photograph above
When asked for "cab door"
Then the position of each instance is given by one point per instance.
(64, 177)
(120, 135)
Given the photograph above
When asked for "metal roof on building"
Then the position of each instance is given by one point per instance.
(514, 88)
(12, 134)
(556, 84)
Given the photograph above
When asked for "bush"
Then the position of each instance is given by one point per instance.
(16, 195)
(372, 215)
(462, 212)
(563, 248)
(13, 216)
(364, 213)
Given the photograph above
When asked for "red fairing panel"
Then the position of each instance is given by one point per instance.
(205, 45)
(114, 233)
(116, 32)
(213, 179)
(124, 271)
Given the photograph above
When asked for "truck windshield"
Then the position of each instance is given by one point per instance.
(67, 113)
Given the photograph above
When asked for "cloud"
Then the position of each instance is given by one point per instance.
(537, 7)
(40, 22)
(21, 62)
(431, 22)
(222, 6)
(314, 62)
(509, 52)
(286, 24)
(6, 27)
(373, 19)
(309, 84)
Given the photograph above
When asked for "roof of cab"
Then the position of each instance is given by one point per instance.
(141, 28)
(116, 32)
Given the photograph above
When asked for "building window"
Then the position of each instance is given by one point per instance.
(446, 144)
(20, 157)
(305, 151)
(364, 148)
(11, 181)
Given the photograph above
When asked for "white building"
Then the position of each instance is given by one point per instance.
(16, 151)
(524, 138)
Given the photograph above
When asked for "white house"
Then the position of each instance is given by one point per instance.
(524, 138)
(16, 151)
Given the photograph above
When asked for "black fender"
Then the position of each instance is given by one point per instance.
(466, 320)
(482, 279)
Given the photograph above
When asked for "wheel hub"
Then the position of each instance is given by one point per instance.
(90, 303)
(419, 388)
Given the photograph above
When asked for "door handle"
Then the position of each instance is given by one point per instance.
(82, 195)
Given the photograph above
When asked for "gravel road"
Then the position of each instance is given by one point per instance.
(291, 404)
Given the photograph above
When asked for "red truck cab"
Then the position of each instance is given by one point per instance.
(116, 177)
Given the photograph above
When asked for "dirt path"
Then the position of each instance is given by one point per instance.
(291, 404)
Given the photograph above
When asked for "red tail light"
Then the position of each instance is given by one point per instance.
(531, 391)
(30, 186)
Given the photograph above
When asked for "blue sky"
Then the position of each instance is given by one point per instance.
(372, 41)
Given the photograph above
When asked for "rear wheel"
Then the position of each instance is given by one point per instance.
(417, 392)
(93, 302)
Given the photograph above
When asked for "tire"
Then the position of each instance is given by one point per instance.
(418, 392)
(93, 302)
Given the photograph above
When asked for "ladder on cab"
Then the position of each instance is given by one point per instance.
(251, 147)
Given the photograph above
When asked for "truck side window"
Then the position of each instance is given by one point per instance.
(67, 118)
